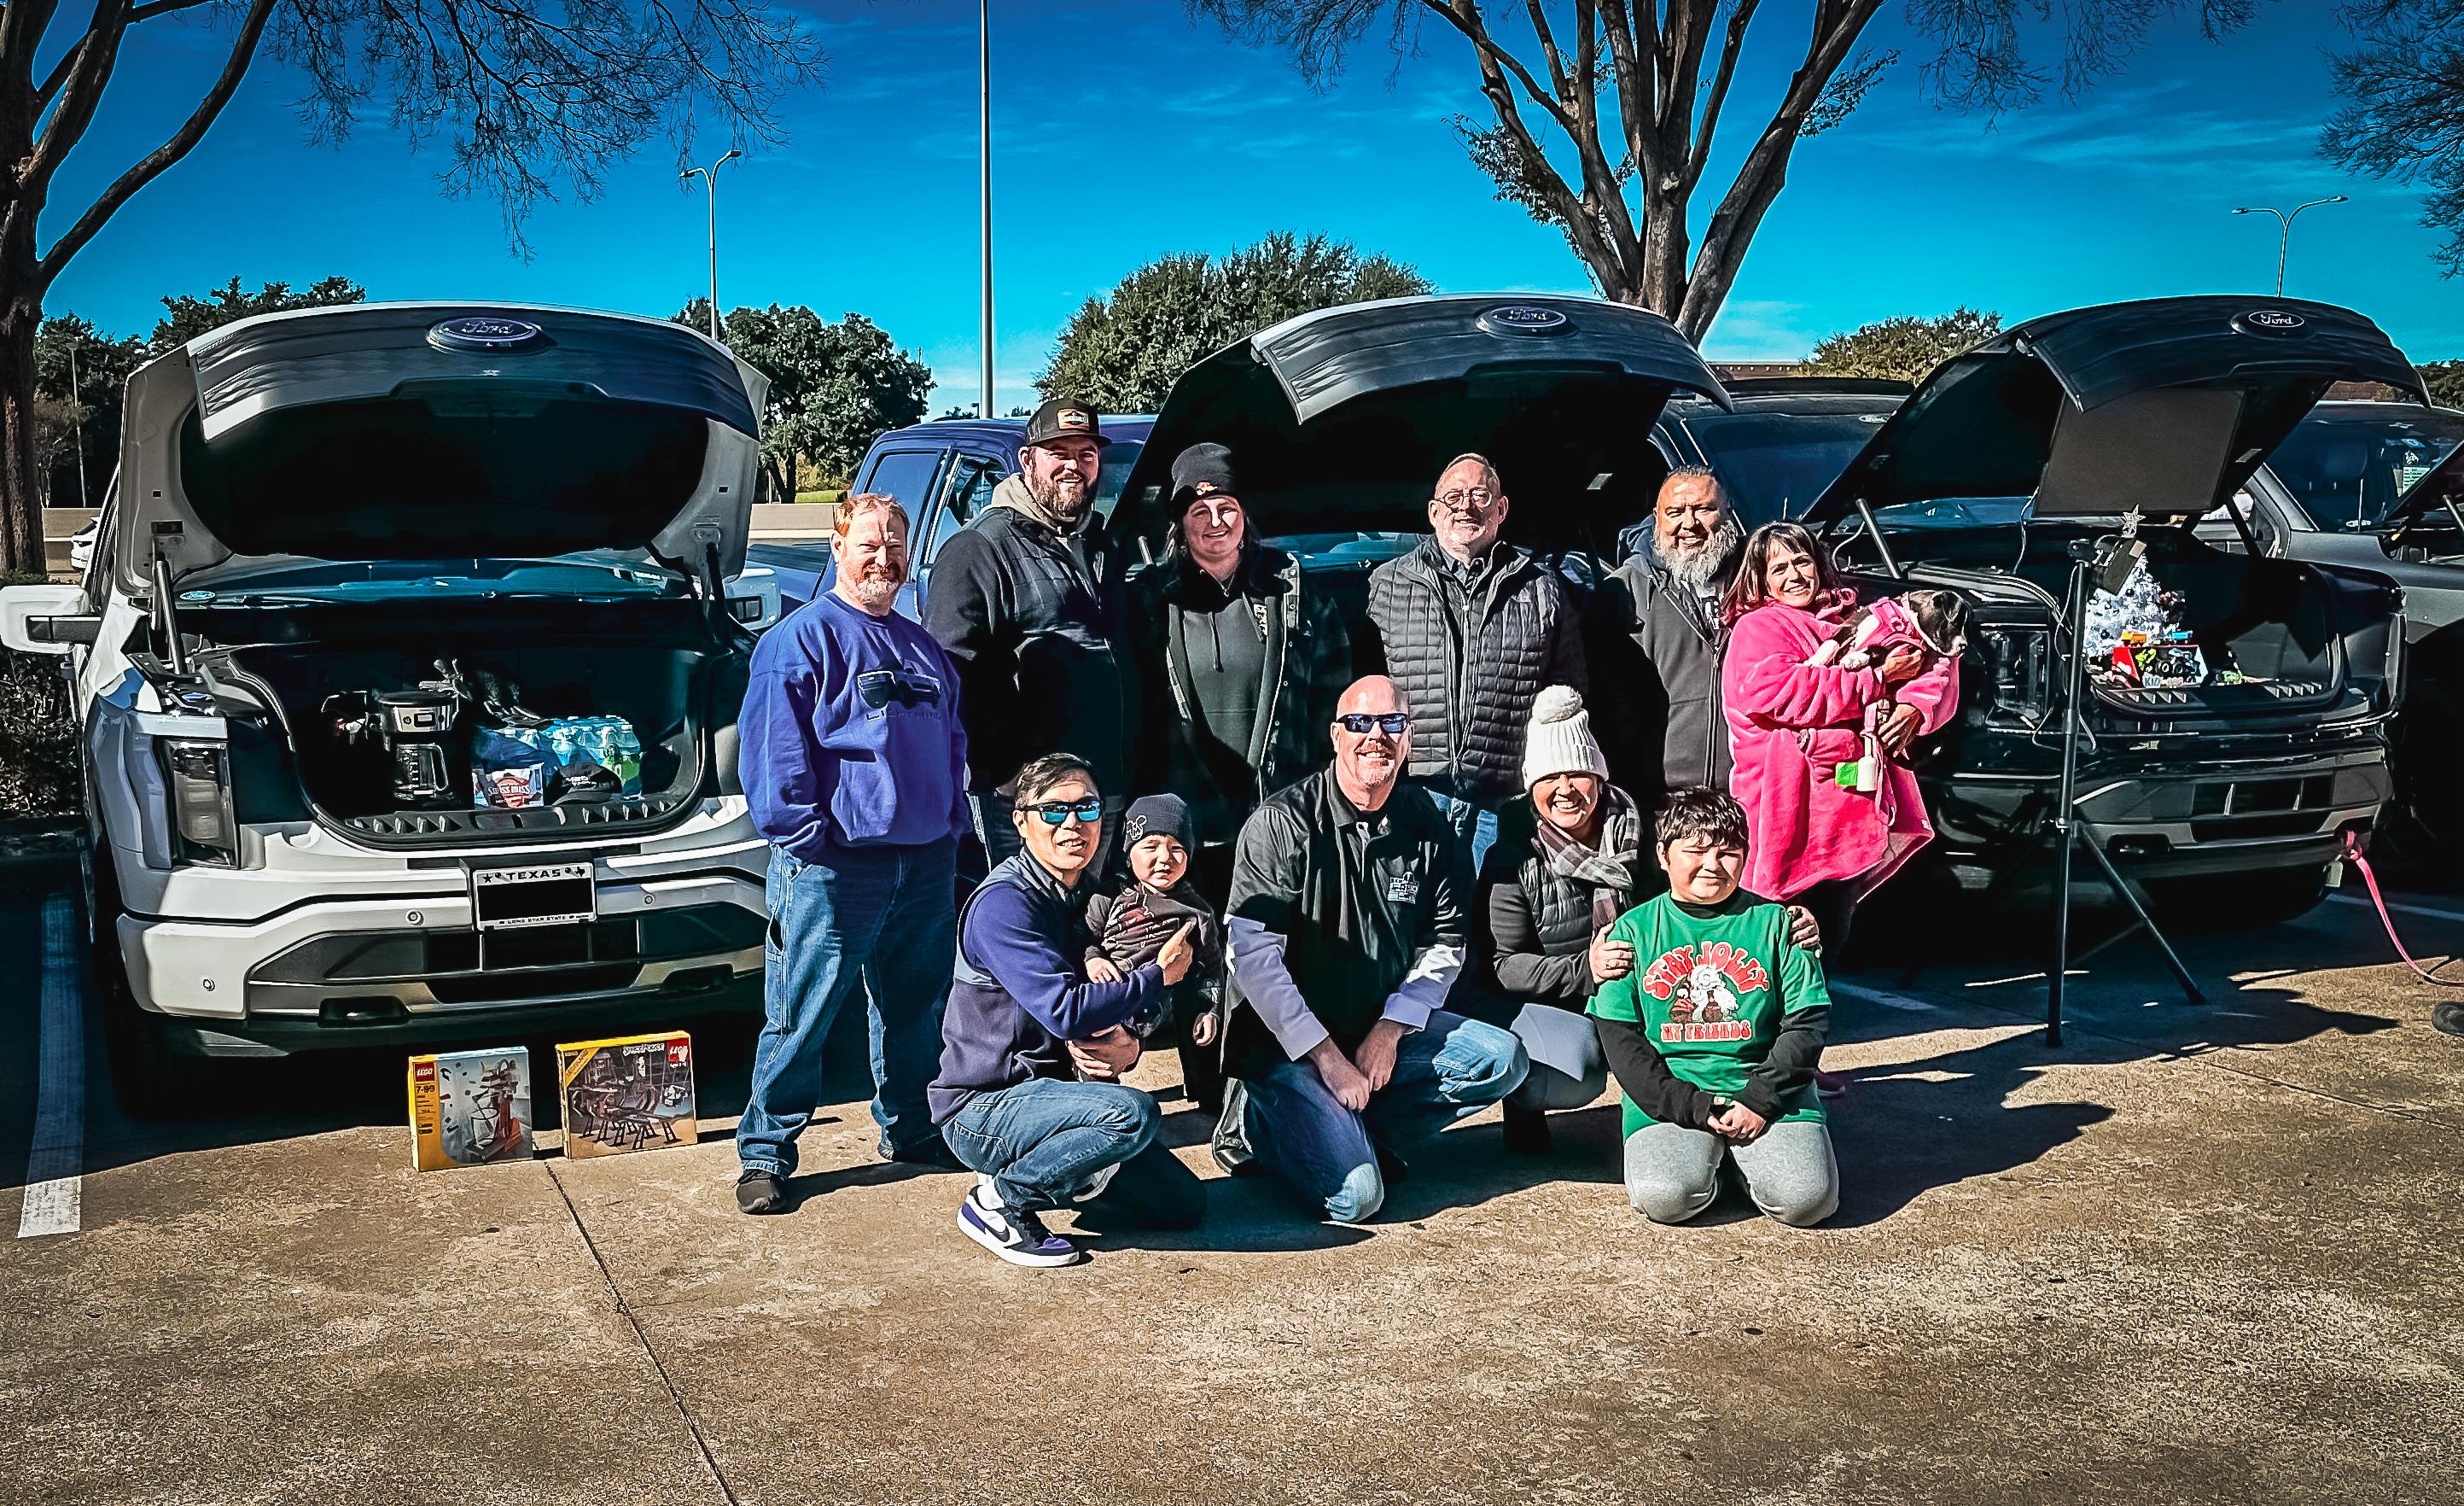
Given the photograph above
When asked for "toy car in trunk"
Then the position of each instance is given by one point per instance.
(2227, 772)
(355, 562)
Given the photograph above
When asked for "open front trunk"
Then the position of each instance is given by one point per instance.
(311, 672)
(2301, 643)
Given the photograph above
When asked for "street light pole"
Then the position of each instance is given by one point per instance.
(709, 176)
(984, 162)
(2285, 235)
(77, 409)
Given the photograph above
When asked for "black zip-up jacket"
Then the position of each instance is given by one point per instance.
(1470, 654)
(1667, 675)
(1531, 929)
(1307, 664)
(1029, 616)
(1357, 898)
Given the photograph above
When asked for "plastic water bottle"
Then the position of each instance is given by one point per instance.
(625, 757)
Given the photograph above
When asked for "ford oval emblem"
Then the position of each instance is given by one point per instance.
(1522, 319)
(2269, 321)
(487, 332)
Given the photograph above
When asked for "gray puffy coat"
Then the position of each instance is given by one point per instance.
(1470, 655)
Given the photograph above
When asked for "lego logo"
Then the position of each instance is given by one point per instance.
(424, 1072)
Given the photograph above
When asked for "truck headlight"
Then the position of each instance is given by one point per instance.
(196, 778)
(2021, 659)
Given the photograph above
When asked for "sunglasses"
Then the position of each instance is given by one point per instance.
(1359, 723)
(880, 687)
(1056, 812)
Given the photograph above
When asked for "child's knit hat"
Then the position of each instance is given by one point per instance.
(1560, 740)
(1157, 815)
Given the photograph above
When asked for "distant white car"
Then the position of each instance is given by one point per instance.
(354, 558)
(82, 544)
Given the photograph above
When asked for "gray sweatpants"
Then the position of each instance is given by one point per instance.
(1672, 1173)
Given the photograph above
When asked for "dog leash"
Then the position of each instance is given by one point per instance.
(2353, 852)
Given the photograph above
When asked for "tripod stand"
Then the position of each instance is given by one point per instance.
(2069, 830)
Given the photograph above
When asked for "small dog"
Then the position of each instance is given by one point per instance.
(1933, 622)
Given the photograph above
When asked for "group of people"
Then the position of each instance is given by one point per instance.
(1375, 877)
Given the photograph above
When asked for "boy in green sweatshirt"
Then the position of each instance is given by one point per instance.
(1714, 1033)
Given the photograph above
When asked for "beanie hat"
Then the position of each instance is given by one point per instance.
(1560, 740)
(1205, 470)
(1157, 816)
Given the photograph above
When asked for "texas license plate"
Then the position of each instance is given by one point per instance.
(551, 894)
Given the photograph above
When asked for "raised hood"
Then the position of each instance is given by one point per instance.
(437, 431)
(2165, 406)
(1342, 418)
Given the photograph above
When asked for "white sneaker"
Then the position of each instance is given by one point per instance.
(1015, 1234)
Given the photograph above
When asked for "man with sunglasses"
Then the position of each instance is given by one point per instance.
(855, 767)
(1472, 628)
(1347, 929)
(1024, 599)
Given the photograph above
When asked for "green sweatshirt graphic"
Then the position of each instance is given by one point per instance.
(1708, 994)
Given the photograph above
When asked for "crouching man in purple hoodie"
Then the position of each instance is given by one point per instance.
(1032, 1049)
(854, 765)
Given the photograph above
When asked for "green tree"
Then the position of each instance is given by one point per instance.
(2403, 80)
(102, 364)
(184, 317)
(834, 388)
(1906, 347)
(1123, 352)
(529, 99)
(1603, 116)
(2445, 380)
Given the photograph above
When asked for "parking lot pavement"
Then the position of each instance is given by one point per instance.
(2196, 1254)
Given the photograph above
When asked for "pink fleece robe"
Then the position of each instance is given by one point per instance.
(1790, 722)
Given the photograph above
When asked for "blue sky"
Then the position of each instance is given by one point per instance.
(1125, 132)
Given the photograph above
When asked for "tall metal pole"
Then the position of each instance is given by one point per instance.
(2285, 233)
(984, 166)
(76, 408)
(710, 178)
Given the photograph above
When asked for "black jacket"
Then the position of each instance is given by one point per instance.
(1664, 729)
(1355, 899)
(1309, 663)
(1470, 655)
(1029, 616)
(1531, 929)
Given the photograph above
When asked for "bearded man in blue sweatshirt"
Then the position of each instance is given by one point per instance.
(854, 765)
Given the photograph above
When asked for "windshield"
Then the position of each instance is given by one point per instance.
(1954, 512)
(1775, 465)
(2345, 468)
(599, 575)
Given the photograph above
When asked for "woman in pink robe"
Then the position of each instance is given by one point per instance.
(1792, 723)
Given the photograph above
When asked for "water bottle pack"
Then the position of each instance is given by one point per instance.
(608, 742)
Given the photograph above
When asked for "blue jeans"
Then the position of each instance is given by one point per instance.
(1475, 833)
(881, 920)
(1041, 1140)
(1302, 1134)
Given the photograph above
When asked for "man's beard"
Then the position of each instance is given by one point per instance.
(1700, 568)
(1065, 510)
(876, 592)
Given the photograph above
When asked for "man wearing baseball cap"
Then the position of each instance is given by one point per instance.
(1024, 601)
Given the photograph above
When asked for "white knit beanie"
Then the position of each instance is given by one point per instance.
(1560, 740)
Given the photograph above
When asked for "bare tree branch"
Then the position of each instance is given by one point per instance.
(1734, 43)
(147, 13)
(154, 164)
(79, 94)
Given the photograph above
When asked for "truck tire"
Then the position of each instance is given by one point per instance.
(149, 1079)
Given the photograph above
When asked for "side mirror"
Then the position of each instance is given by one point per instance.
(46, 619)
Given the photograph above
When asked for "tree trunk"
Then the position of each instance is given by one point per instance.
(24, 487)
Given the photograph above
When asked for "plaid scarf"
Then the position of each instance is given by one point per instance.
(1608, 868)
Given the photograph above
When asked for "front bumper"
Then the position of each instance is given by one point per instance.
(2244, 816)
(369, 970)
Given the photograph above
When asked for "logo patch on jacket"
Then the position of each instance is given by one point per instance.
(1403, 888)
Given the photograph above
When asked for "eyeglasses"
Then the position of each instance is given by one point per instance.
(1056, 812)
(880, 687)
(1476, 499)
(1359, 723)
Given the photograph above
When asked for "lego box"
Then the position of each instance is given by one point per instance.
(468, 1108)
(632, 1093)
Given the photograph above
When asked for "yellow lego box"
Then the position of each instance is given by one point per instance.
(632, 1093)
(468, 1108)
